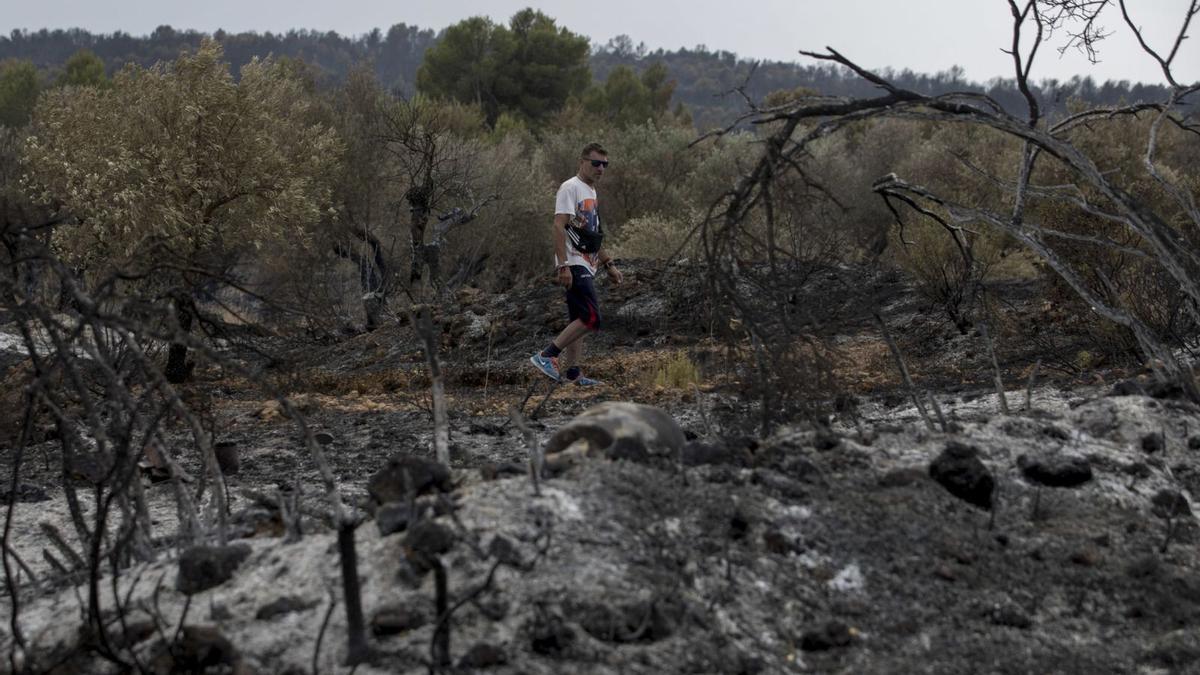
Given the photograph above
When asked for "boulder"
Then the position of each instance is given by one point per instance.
(621, 430)
(424, 475)
(205, 567)
(396, 619)
(963, 474)
(1055, 470)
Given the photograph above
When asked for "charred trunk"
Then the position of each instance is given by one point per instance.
(418, 201)
(373, 274)
(178, 369)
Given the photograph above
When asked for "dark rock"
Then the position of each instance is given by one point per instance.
(323, 437)
(495, 609)
(1166, 390)
(1194, 443)
(1057, 433)
(1152, 443)
(198, 649)
(1010, 615)
(802, 468)
(748, 664)
(739, 525)
(945, 573)
(24, 494)
(826, 440)
(205, 567)
(424, 475)
(393, 517)
(483, 655)
(696, 453)
(1055, 470)
(779, 543)
(255, 521)
(549, 634)
(228, 460)
(87, 468)
(503, 549)
(959, 470)
(219, 612)
(833, 634)
(1085, 557)
(493, 471)
(285, 605)
(1127, 388)
(486, 429)
(634, 622)
(845, 403)
(1138, 470)
(902, 477)
(426, 541)
(430, 537)
(440, 505)
(1170, 504)
(396, 619)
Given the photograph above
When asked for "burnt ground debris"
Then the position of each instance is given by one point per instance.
(809, 550)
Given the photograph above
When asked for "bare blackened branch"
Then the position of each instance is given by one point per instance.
(1165, 64)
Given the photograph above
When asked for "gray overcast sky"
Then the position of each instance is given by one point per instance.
(924, 35)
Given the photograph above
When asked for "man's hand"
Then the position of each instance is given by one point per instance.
(564, 277)
(614, 273)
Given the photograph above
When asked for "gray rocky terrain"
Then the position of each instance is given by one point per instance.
(1057, 538)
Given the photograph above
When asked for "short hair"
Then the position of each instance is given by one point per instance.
(592, 147)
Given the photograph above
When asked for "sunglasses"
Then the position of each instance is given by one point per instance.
(597, 162)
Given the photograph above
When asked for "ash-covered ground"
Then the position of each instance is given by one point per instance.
(1057, 538)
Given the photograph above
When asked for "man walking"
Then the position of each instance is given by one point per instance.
(578, 253)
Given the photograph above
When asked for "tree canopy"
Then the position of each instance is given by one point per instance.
(180, 159)
(625, 99)
(18, 92)
(528, 69)
(83, 69)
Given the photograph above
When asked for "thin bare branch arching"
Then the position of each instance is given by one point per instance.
(1161, 239)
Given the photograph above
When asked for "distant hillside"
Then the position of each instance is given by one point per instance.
(704, 79)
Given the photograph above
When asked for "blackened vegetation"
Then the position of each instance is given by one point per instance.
(95, 385)
(776, 303)
(1131, 235)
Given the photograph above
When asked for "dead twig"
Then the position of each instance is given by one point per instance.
(1029, 385)
(536, 457)
(912, 388)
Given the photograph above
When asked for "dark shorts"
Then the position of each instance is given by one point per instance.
(581, 298)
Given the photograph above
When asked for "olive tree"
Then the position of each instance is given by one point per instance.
(176, 172)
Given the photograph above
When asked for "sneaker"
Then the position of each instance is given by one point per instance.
(547, 365)
(585, 381)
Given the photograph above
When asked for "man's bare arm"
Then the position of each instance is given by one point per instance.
(562, 271)
(560, 239)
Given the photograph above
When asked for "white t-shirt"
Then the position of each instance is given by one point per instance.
(578, 200)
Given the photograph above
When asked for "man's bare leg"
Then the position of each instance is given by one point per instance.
(572, 355)
(569, 335)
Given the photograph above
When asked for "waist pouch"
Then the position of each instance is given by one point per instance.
(584, 240)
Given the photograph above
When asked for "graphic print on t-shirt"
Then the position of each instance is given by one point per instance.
(587, 215)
